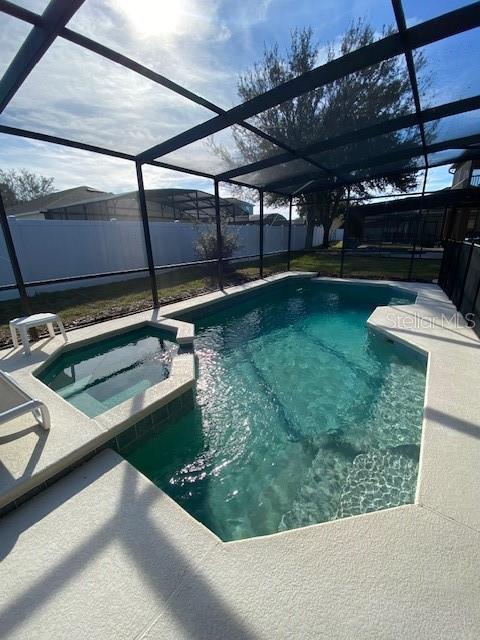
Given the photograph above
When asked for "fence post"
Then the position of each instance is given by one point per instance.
(450, 289)
(146, 234)
(467, 269)
(444, 220)
(420, 217)
(342, 259)
(443, 264)
(12, 254)
(475, 297)
(260, 191)
(218, 224)
(289, 233)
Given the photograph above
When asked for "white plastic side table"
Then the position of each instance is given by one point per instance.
(22, 325)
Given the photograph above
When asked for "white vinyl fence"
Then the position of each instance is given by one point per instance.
(49, 249)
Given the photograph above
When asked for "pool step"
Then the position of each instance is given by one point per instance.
(289, 376)
(319, 493)
(389, 421)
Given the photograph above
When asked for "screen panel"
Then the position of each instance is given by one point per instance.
(448, 156)
(391, 168)
(181, 214)
(75, 94)
(86, 222)
(228, 149)
(12, 35)
(239, 211)
(449, 71)
(279, 172)
(207, 46)
(457, 126)
(377, 93)
(416, 12)
(360, 152)
(37, 6)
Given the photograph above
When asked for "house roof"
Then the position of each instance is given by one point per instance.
(184, 200)
(269, 218)
(57, 199)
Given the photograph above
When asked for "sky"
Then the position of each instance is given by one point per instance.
(204, 45)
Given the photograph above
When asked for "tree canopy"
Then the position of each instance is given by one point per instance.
(22, 185)
(381, 91)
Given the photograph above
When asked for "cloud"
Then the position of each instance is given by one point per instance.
(75, 94)
(203, 45)
(201, 49)
(12, 34)
(71, 168)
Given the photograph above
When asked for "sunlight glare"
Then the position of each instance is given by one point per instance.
(153, 17)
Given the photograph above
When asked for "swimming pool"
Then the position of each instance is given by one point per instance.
(100, 375)
(302, 415)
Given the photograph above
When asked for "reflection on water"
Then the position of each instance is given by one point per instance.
(302, 416)
(103, 374)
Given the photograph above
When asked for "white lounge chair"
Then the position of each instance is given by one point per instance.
(14, 402)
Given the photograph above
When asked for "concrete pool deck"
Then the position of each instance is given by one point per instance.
(104, 553)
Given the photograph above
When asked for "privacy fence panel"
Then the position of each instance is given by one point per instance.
(460, 279)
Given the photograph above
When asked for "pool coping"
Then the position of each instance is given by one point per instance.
(108, 426)
(447, 480)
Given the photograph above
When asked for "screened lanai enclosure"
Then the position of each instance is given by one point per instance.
(215, 119)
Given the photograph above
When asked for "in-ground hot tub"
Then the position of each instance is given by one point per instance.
(302, 414)
(101, 375)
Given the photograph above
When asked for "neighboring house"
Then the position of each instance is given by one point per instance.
(269, 218)
(449, 213)
(36, 209)
(466, 174)
(247, 207)
(85, 203)
(453, 212)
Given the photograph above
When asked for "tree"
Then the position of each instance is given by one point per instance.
(381, 91)
(21, 185)
(8, 195)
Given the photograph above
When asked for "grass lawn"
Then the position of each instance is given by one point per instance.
(85, 305)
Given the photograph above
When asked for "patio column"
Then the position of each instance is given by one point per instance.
(289, 232)
(12, 254)
(146, 234)
(218, 223)
(260, 191)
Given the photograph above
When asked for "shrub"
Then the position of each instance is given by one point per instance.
(206, 245)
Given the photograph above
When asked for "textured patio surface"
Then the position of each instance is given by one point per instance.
(105, 554)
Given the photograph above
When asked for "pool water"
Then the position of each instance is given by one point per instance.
(100, 375)
(302, 414)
